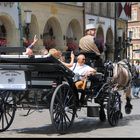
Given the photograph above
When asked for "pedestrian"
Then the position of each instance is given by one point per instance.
(137, 65)
(136, 80)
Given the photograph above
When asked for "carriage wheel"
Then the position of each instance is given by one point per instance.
(7, 109)
(114, 108)
(63, 109)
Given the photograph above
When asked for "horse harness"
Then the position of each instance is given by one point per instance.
(127, 66)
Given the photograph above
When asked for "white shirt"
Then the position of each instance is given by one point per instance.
(81, 70)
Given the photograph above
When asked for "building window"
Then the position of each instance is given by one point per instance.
(108, 9)
(134, 15)
(134, 32)
(88, 7)
(139, 33)
(92, 7)
(100, 8)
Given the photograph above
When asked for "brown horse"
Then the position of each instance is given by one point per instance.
(122, 79)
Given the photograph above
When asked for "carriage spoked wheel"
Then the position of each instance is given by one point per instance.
(63, 108)
(114, 108)
(7, 109)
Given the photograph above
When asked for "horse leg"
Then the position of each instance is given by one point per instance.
(128, 105)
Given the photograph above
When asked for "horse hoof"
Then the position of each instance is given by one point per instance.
(128, 109)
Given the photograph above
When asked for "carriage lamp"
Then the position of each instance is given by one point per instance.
(120, 32)
(119, 42)
(27, 21)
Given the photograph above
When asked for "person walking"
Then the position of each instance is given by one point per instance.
(136, 81)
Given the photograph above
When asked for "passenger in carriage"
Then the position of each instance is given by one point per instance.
(29, 49)
(83, 70)
(58, 54)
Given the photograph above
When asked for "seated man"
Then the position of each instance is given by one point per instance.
(83, 71)
(81, 68)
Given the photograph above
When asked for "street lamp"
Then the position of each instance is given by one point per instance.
(119, 35)
(27, 21)
(129, 39)
(119, 32)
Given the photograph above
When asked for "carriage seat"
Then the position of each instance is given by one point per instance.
(82, 84)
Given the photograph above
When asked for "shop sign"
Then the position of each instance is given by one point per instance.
(100, 20)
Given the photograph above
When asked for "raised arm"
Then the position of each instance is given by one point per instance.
(71, 62)
(33, 43)
(29, 50)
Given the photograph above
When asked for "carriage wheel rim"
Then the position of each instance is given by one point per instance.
(7, 111)
(114, 109)
(62, 113)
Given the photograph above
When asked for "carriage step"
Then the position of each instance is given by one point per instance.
(93, 111)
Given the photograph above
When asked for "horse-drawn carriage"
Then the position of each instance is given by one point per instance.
(43, 82)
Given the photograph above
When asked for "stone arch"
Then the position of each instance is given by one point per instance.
(73, 35)
(74, 30)
(34, 28)
(52, 34)
(109, 44)
(100, 39)
(10, 32)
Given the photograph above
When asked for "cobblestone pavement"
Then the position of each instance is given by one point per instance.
(38, 124)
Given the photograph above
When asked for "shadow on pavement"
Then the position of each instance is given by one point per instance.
(85, 124)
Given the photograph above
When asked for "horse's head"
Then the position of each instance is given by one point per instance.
(122, 73)
(108, 69)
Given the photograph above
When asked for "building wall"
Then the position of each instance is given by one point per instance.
(9, 18)
(44, 14)
(105, 11)
(100, 8)
(104, 22)
(134, 26)
(61, 14)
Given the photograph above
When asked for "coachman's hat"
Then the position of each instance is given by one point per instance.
(90, 26)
